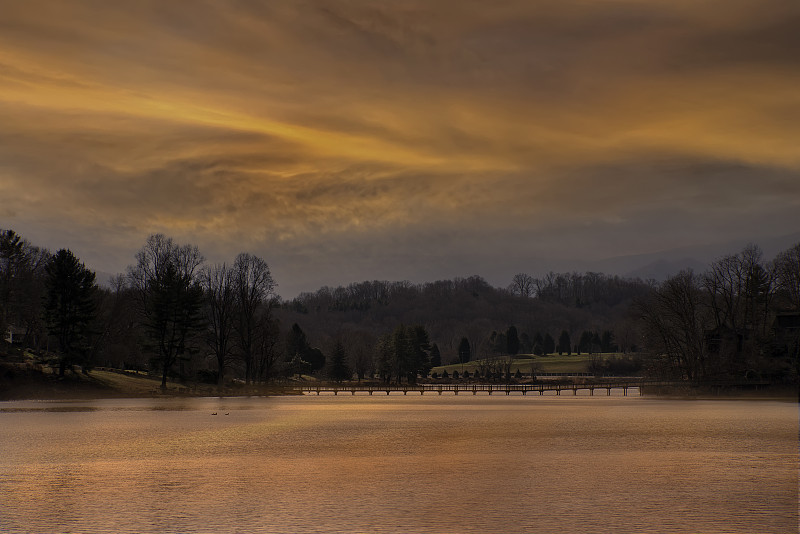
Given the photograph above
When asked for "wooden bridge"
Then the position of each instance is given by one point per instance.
(507, 389)
(623, 384)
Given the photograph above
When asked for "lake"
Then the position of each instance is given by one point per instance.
(427, 464)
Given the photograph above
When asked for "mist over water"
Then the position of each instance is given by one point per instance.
(399, 464)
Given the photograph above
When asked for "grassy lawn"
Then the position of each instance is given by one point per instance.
(23, 380)
(130, 383)
(551, 363)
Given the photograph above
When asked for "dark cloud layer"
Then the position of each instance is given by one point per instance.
(354, 140)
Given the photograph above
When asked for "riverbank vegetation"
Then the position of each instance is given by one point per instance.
(189, 324)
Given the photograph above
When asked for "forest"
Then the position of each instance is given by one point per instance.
(175, 316)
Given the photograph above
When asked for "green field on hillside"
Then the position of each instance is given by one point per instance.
(551, 363)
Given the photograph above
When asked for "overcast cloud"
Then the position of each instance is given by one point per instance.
(353, 140)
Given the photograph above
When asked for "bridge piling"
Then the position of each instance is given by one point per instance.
(624, 384)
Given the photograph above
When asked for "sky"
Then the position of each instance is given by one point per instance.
(415, 140)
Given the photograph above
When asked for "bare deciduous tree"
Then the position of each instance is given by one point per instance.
(254, 287)
(787, 269)
(170, 297)
(220, 308)
(675, 322)
(522, 285)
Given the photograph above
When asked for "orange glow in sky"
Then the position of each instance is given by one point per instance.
(358, 140)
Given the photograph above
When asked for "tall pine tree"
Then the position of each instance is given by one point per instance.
(69, 307)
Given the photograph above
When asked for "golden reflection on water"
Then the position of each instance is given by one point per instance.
(399, 464)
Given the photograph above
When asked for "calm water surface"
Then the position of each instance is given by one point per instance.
(425, 464)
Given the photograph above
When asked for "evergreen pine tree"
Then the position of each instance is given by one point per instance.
(549, 344)
(339, 370)
(512, 341)
(436, 357)
(69, 306)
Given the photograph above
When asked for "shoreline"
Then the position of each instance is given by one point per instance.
(29, 383)
(34, 384)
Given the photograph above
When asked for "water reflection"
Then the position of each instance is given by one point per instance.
(52, 409)
(399, 464)
(223, 404)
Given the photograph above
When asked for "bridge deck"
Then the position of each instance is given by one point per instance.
(508, 389)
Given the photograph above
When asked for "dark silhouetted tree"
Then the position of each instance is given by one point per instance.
(268, 334)
(436, 357)
(338, 370)
(512, 341)
(170, 297)
(361, 347)
(548, 344)
(384, 358)
(564, 343)
(254, 287)
(787, 268)
(220, 297)
(675, 324)
(69, 306)
(525, 343)
(538, 344)
(315, 358)
(597, 344)
(13, 259)
(585, 343)
(464, 350)
(607, 341)
(22, 289)
(296, 342)
(298, 366)
(421, 345)
(522, 285)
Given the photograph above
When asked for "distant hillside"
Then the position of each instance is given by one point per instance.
(665, 263)
(662, 269)
(468, 308)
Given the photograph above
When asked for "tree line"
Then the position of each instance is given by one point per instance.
(174, 314)
(740, 318)
(169, 307)
(470, 308)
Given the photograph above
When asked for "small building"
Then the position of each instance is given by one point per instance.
(724, 339)
(14, 335)
(787, 329)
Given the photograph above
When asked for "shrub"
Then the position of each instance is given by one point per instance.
(207, 376)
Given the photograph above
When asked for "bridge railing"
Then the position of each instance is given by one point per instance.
(540, 387)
